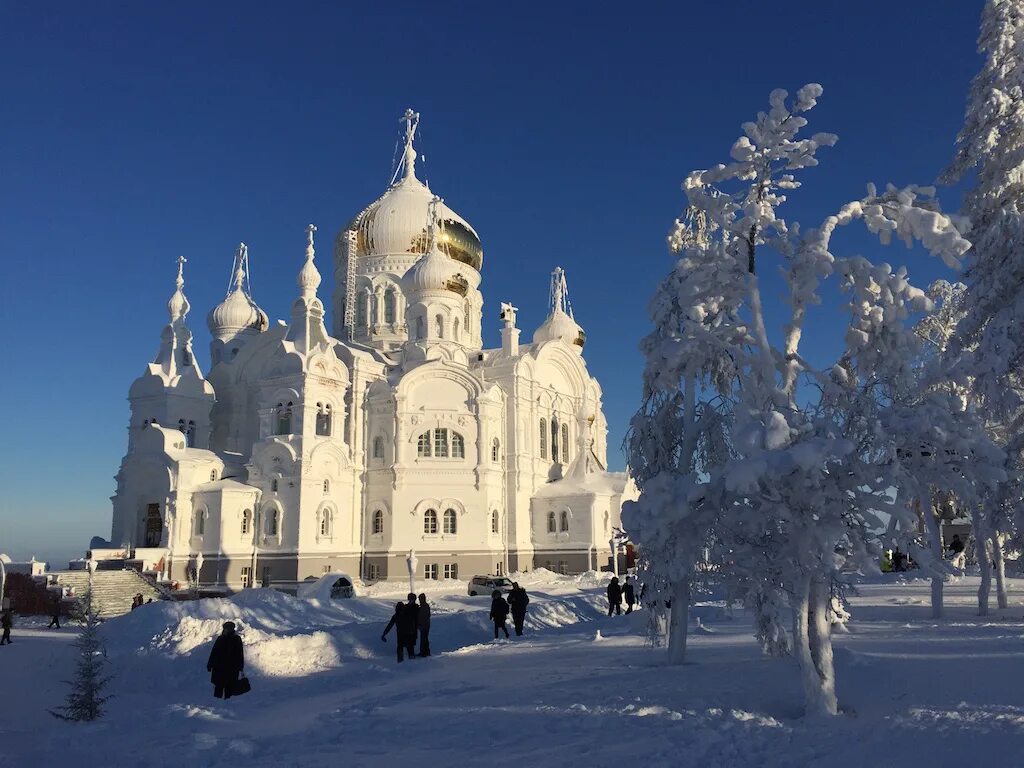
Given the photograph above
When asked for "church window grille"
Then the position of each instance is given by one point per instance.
(430, 521)
(439, 326)
(543, 438)
(551, 523)
(441, 443)
(378, 522)
(423, 445)
(458, 446)
(451, 570)
(389, 306)
(323, 419)
(451, 521)
(494, 521)
(495, 450)
(378, 447)
(564, 521)
(430, 571)
(246, 522)
(565, 442)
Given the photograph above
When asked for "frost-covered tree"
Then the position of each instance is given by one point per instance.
(989, 344)
(86, 698)
(798, 475)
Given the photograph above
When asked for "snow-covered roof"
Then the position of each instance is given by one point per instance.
(225, 484)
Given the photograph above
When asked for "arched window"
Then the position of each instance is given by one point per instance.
(378, 447)
(458, 446)
(273, 521)
(565, 442)
(441, 443)
(564, 521)
(213, 475)
(378, 522)
(284, 419)
(190, 435)
(494, 521)
(551, 523)
(451, 522)
(495, 450)
(543, 438)
(389, 306)
(323, 419)
(554, 439)
(325, 523)
(430, 521)
(273, 485)
(362, 308)
(439, 326)
(423, 444)
(419, 328)
(455, 329)
(246, 522)
(327, 486)
(199, 524)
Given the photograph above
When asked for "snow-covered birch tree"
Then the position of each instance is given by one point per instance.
(794, 493)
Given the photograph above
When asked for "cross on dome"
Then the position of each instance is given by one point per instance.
(309, 277)
(560, 292)
(412, 121)
(178, 306)
(242, 261)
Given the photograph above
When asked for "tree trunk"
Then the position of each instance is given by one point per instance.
(820, 637)
(678, 624)
(935, 545)
(819, 691)
(1000, 568)
(981, 552)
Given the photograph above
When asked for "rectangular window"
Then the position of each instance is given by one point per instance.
(326, 569)
(441, 443)
(373, 571)
(451, 570)
(543, 438)
(563, 567)
(423, 444)
(499, 570)
(246, 577)
(430, 571)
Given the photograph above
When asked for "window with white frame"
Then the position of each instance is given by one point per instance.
(378, 522)
(543, 438)
(246, 522)
(563, 522)
(494, 521)
(495, 450)
(430, 521)
(273, 521)
(563, 567)
(451, 522)
(499, 569)
(325, 522)
(458, 446)
(423, 445)
(554, 439)
(373, 571)
(441, 443)
(389, 306)
(323, 419)
(451, 570)
(430, 571)
(246, 577)
(565, 442)
(552, 527)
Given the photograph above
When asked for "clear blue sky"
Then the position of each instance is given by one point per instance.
(134, 132)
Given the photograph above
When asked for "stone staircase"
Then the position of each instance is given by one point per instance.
(112, 591)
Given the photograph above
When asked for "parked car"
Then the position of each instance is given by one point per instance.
(330, 586)
(485, 585)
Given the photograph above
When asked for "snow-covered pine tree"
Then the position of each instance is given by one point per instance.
(988, 342)
(795, 493)
(86, 698)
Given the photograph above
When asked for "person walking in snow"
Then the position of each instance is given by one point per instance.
(226, 662)
(499, 613)
(5, 623)
(55, 614)
(404, 621)
(614, 596)
(423, 621)
(628, 595)
(517, 602)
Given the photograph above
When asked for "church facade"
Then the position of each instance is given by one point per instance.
(305, 451)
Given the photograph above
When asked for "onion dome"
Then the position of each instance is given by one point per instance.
(238, 312)
(560, 324)
(397, 222)
(178, 306)
(309, 276)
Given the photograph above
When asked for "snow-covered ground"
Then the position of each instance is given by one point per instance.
(327, 691)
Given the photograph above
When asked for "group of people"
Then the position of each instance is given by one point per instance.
(411, 618)
(138, 601)
(618, 593)
(515, 605)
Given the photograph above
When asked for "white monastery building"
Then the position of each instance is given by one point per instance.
(305, 451)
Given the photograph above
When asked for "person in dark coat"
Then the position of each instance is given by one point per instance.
(5, 623)
(423, 621)
(499, 613)
(517, 602)
(396, 621)
(614, 596)
(226, 662)
(55, 617)
(628, 595)
(411, 625)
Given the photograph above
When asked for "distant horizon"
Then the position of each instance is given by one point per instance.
(141, 135)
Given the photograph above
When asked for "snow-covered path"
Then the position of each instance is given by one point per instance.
(915, 692)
